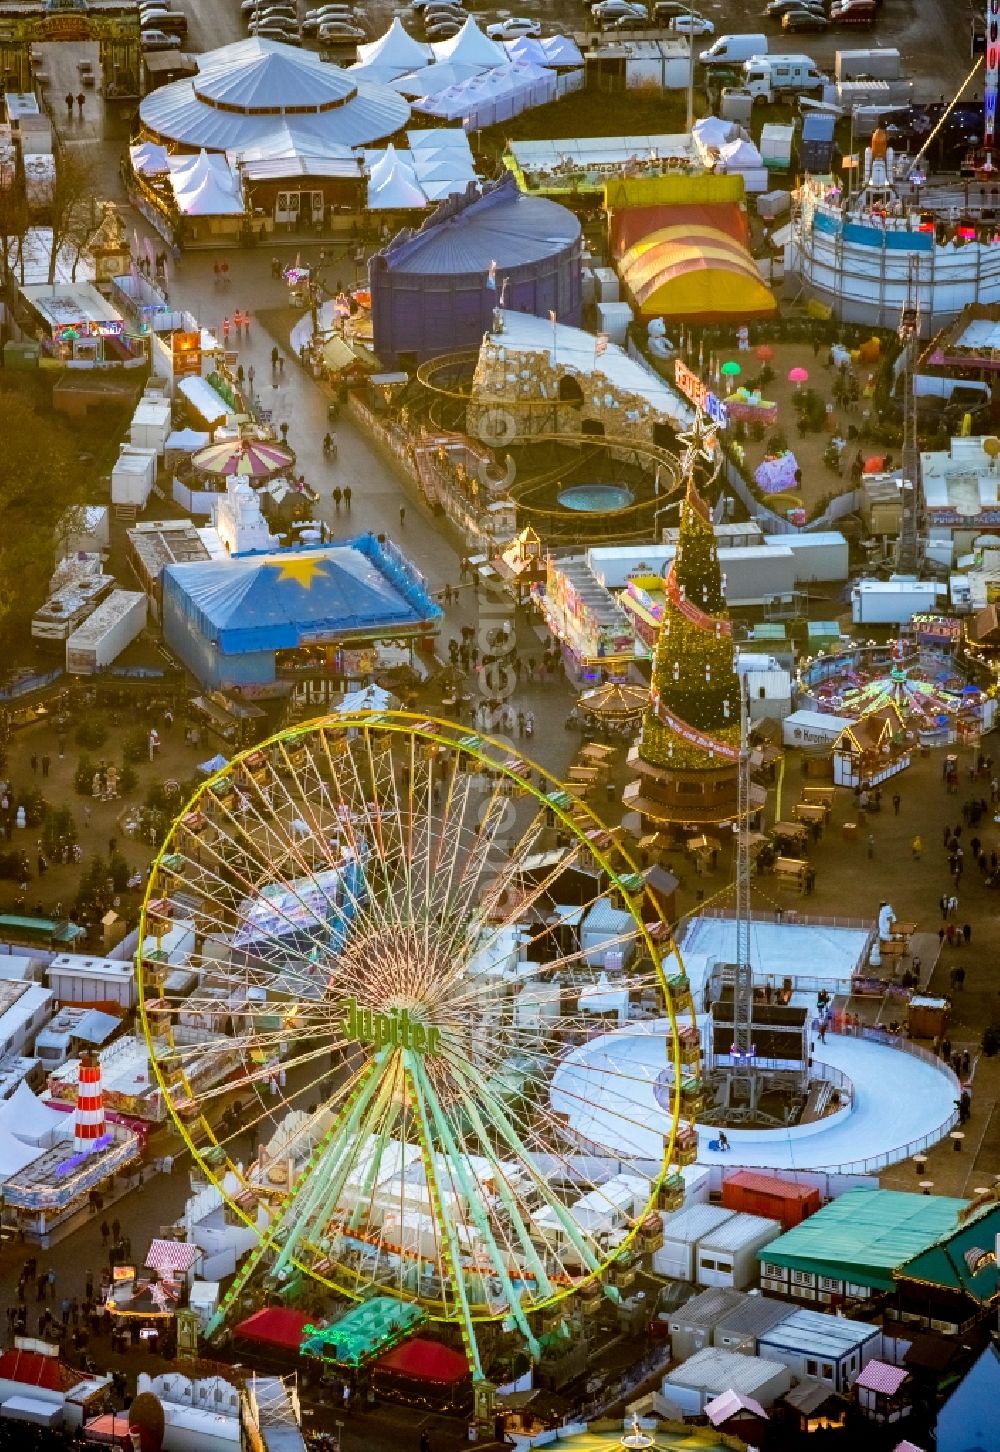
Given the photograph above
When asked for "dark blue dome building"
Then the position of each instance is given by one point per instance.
(431, 291)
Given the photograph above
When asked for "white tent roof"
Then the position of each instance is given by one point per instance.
(149, 158)
(437, 169)
(710, 132)
(432, 80)
(740, 154)
(444, 138)
(524, 48)
(29, 1120)
(395, 48)
(240, 99)
(14, 1155)
(470, 47)
(206, 187)
(561, 50)
(396, 188)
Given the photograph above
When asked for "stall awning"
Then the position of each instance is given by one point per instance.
(203, 399)
(274, 1326)
(424, 1360)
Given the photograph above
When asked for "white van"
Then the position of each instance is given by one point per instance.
(733, 50)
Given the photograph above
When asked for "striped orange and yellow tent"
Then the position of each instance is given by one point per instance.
(694, 272)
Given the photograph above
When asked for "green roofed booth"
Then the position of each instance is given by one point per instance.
(362, 1332)
(856, 1243)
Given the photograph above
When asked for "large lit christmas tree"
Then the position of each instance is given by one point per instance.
(687, 757)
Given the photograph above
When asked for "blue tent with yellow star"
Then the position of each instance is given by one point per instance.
(226, 618)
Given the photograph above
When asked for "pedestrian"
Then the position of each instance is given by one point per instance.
(251, 375)
(520, 723)
(966, 1063)
(116, 1228)
(89, 1286)
(274, 357)
(338, 495)
(52, 1285)
(79, 103)
(967, 933)
(225, 330)
(105, 1232)
(958, 978)
(952, 905)
(871, 845)
(897, 802)
(69, 105)
(45, 766)
(724, 1140)
(946, 1048)
(348, 496)
(34, 762)
(402, 516)
(275, 267)
(917, 847)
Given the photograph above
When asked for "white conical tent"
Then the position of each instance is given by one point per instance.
(397, 48)
(28, 1119)
(470, 47)
(432, 80)
(14, 1154)
(149, 159)
(382, 169)
(206, 187)
(396, 189)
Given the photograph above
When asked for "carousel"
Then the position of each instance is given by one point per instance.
(256, 460)
(615, 707)
(923, 682)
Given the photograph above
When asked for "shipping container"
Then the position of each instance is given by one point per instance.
(607, 288)
(681, 1234)
(613, 319)
(816, 147)
(691, 1326)
(814, 1343)
(711, 1372)
(151, 424)
(758, 1193)
(102, 638)
(727, 1256)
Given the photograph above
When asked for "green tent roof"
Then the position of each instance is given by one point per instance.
(965, 1260)
(865, 1235)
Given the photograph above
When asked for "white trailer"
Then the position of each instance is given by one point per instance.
(151, 424)
(133, 476)
(820, 558)
(102, 638)
(39, 181)
(882, 64)
(813, 728)
(893, 602)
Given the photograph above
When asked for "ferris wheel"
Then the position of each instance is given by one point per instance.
(399, 942)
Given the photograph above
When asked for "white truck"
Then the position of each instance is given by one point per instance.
(769, 76)
(102, 638)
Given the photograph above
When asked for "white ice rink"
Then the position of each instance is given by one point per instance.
(818, 952)
(606, 1087)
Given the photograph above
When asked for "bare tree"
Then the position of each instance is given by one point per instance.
(74, 214)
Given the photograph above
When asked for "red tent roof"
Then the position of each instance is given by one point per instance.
(31, 1369)
(424, 1361)
(274, 1326)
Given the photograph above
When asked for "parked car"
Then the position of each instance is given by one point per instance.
(691, 25)
(775, 9)
(283, 17)
(419, 5)
(853, 12)
(313, 20)
(339, 32)
(513, 28)
(158, 40)
(443, 13)
(442, 28)
(608, 10)
(667, 9)
(804, 19)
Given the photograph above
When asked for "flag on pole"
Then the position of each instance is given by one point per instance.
(491, 276)
(600, 344)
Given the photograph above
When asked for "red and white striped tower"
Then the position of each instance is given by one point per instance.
(88, 1123)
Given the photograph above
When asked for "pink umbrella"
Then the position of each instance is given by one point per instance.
(798, 375)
